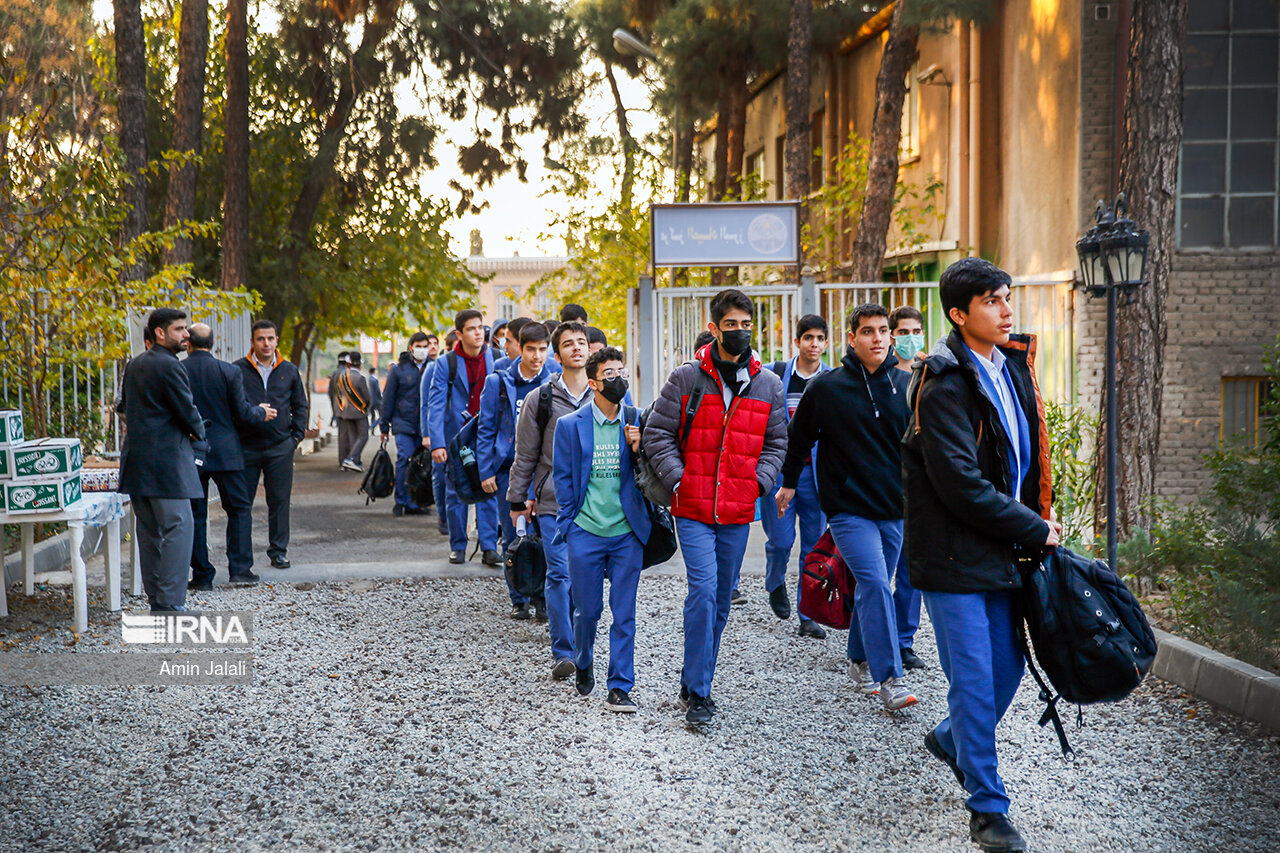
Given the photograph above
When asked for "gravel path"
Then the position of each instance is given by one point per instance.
(413, 714)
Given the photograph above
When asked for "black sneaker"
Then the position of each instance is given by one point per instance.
(737, 598)
(244, 579)
(994, 833)
(280, 562)
(780, 603)
(413, 510)
(200, 586)
(584, 680)
(935, 749)
(910, 660)
(540, 611)
(809, 628)
(397, 510)
(684, 700)
(700, 710)
(520, 612)
(619, 702)
(457, 557)
(490, 557)
(562, 669)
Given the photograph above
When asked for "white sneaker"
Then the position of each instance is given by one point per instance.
(894, 696)
(860, 672)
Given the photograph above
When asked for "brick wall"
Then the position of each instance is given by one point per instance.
(1224, 309)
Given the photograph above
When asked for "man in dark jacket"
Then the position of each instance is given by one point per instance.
(978, 492)
(375, 397)
(158, 467)
(218, 390)
(736, 445)
(856, 414)
(268, 447)
(349, 397)
(400, 414)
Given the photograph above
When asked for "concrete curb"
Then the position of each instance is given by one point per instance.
(1244, 690)
(50, 555)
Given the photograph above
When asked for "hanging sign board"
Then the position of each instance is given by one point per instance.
(725, 234)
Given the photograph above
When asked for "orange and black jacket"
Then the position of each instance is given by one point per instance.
(965, 522)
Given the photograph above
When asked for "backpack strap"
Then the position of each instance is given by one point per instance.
(544, 408)
(452, 359)
(690, 411)
(1047, 695)
(779, 369)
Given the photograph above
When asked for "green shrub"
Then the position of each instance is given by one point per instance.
(1072, 470)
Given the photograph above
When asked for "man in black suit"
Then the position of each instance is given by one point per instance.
(218, 390)
(158, 464)
(268, 447)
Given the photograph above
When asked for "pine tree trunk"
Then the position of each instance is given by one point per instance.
(131, 80)
(738, 96)
(799, 121)
(719, 180)
(1149, 177)
(188, 123)
(235, 190)
(684, 152)
(886, 136)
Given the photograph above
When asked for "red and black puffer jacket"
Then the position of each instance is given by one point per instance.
(732, 456)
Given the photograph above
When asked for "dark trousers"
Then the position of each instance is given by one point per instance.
(237, 503)
(164, 548)
(352, 437)
(274, 466)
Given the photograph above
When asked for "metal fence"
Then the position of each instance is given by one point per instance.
(663, 322)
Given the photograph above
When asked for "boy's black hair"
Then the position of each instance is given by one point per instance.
(532, 333)
(552, 325)
(514, 327)
(729, 299)
(967, 278)
(904, 312)
(809, 322)
(451, 338)
(573, 311)
(431, 336)
(465, 316)
(418, 336)
(163, 318)
(354, 358)
(600, 357)
(264, 324)
(563, 329)
(704, 337)
(596, 336)
(866, 309)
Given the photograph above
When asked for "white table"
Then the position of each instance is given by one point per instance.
(94, 509)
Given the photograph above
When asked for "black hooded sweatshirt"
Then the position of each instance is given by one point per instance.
(857, 419)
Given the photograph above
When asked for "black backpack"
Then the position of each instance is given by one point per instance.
(646, 475)
(662, 542)
(526, 566)
(417, 478)
(1089, 633)
(380, 480)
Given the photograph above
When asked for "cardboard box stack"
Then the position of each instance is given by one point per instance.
(37, 476)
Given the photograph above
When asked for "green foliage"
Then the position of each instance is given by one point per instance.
(1220, 557)
(836, 208)
(1072, 464)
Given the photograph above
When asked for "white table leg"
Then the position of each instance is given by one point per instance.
(135, 558)
(79, 584)
(29, 559)
(113, 564)
(4, 584)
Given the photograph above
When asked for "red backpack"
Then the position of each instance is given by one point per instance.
(826, 585)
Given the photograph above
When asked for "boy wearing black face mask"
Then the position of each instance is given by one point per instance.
(604, 522)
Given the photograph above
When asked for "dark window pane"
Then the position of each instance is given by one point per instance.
(1253, 61)
(1252, 221)
(1238, 407)
(1206, 59)
(1204, 114)
(1253, 168)
(1253, 15)
(1204, 168)
(1253, 114)
(1206, 15)
(1201, 223)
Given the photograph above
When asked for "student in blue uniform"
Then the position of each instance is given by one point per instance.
(780, 533)
(500, 403)
(605, 522)
(906, 325)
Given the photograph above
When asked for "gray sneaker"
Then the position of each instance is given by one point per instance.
(860, 672)
(562, 669)
(894, 696)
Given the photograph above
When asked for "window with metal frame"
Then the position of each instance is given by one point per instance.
(1228, 173)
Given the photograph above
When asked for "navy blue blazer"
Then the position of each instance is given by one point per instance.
(218, 390)
(571, 469)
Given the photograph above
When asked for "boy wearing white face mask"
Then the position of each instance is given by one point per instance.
(400, 402)
(906, 325)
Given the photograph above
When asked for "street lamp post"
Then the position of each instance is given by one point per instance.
(1113, 259)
